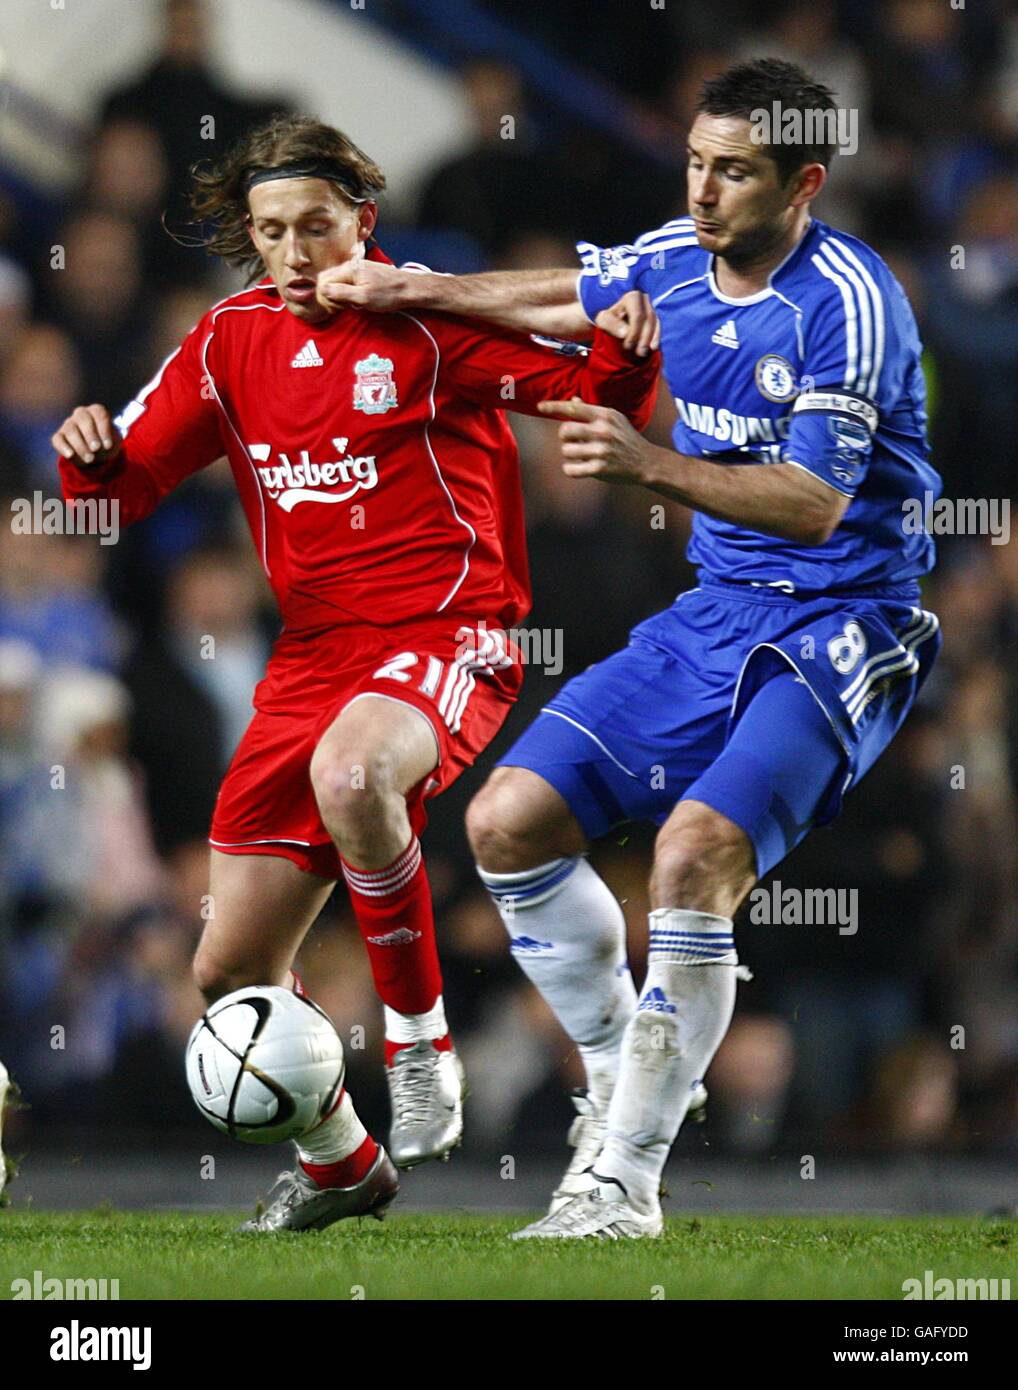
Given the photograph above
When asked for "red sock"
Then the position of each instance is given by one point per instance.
(346, 1171)
(393, 910)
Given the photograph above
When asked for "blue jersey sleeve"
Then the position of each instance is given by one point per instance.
(607, 273)
(836, 414)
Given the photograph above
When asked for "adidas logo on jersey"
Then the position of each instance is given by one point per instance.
(727, 335)
(308, 356)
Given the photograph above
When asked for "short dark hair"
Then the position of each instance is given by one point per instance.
(754, 86)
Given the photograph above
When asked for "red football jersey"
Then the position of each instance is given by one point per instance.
(377, 472)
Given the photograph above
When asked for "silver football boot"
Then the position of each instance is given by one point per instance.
(603, 1212)
(6, 1089)
(304, 1206)
(426, 1088)
(587, 1135)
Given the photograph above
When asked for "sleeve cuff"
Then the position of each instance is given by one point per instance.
(820, 478)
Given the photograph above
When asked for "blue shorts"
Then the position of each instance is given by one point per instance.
(763, 706)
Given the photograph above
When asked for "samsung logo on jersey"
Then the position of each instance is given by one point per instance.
(728, 428)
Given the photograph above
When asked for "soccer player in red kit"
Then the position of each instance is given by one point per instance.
(381, 485)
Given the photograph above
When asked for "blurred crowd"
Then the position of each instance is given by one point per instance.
(115, 730)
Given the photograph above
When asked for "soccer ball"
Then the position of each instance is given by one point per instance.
(264, 1065)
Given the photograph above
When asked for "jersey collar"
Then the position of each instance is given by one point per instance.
(768, 289)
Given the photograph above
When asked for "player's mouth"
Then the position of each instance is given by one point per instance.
(301, 290)
(710, 228)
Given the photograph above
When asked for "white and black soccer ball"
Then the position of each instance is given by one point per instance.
(264, 1065)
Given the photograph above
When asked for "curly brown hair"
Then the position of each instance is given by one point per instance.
(218, 195)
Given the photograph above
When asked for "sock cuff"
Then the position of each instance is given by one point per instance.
(380, 883)
(406, 1029)
(684, 937)
(532, 886)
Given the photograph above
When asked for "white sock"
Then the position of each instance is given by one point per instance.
(412, 1028)
(683, 1014)
(335, 1138)
(568, 935)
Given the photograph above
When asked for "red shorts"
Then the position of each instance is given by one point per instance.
(463, 681)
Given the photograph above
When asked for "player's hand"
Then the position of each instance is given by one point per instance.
(633, 319)
(598, 442)
(88, 436)
(361, 284)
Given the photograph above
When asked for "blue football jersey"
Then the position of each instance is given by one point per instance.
(821, 369)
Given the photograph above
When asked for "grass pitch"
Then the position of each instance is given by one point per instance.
(458, 1256)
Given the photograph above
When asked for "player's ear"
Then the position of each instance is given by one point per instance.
(366, 220)
(807, 183)
(249, 224)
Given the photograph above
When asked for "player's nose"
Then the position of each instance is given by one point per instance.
(295, 256)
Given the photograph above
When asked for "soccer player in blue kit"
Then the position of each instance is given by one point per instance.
(737, 718)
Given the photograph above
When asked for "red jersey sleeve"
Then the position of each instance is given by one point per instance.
(170, 430)
(503, 370)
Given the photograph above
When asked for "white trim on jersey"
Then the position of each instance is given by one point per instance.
(878, 313)
(662, 297)
(865, 312)
(136, 407)
(438, 471)
(666, 243)
(668, 229)
(865, 326)
(228, 308)
(851, 322)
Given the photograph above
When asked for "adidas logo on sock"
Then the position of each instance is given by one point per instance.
(402, 936)
(529, 945)
(657, 1002)
(727, 335)
(308, 356)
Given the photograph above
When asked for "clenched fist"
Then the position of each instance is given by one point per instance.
(634, 321)
(88, 436)
(362, 284)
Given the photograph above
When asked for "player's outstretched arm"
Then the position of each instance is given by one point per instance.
(533, 301)
(530, 301)
(776, 499)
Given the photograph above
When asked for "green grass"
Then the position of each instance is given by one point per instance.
(452, 1256)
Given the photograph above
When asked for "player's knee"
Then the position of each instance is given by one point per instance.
(349, 785)
(216, 978)
(500, 839)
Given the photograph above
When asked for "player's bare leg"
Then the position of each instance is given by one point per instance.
(262, 908)
(567, 933)
(374, 753)
(704, 865)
